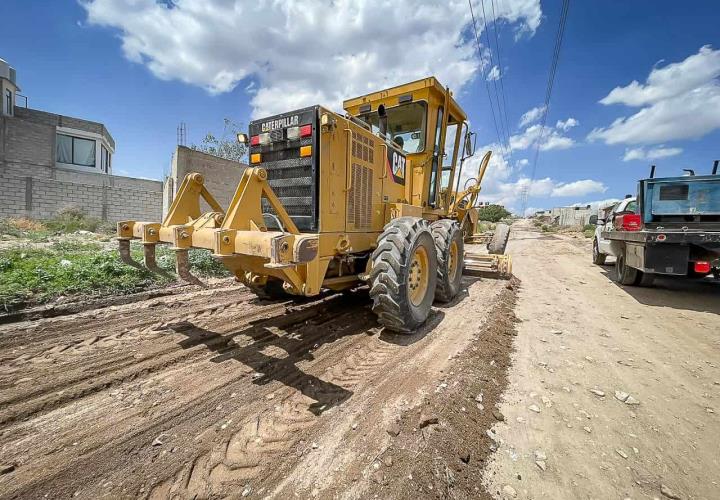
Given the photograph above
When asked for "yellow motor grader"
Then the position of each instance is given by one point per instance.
(332, 201)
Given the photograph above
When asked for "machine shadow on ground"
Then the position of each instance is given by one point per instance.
(676, 293)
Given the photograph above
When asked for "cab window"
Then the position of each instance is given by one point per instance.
(451, 135)
(406, 125)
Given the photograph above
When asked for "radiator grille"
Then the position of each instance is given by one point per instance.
(291, 178)
(359, 213)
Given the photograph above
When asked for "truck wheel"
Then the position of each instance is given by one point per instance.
(598, 258)
(499, 240)
(644, 279)
(271, 290)
(624, 274)
(404, 274)
(450, 250)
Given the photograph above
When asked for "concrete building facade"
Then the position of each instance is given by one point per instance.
(49, 162)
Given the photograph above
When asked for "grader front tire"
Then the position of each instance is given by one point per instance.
(404, 274)
(450, 251)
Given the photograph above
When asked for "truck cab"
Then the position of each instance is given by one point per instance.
(604, 221)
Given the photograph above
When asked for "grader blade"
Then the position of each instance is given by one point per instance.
(488, 265)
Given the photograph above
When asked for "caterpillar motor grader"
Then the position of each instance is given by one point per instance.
(330, 201)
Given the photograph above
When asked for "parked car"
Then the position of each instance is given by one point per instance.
(601, 246)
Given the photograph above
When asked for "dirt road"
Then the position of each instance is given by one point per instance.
(568, 433)
(215, 394)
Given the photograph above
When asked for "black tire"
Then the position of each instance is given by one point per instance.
(449, 275)
(499, 240)
(271, 290)
(390, 289)
(598, 258)
(644, 279)
(624, 274)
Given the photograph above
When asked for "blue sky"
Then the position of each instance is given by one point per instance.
(142, 67)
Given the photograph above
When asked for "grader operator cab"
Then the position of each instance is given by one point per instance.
(332, 201)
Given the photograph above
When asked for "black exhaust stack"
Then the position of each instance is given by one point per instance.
(652, 171)
(383, 121)
(715, 167)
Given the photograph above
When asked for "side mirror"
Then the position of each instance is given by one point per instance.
(593, 220)
(470, 139)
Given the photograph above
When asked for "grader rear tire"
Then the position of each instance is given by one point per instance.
(404, 274)
(499, 239)
(450, 250)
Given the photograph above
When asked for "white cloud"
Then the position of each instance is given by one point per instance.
(552, 138)
(493, 74)
(578, 188)
(531, 116)
(650, 154)
(567, 124)
(298, 52)
(681, 101)
(504, 185)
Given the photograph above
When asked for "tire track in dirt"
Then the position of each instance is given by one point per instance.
(259, 335)
(85, 377)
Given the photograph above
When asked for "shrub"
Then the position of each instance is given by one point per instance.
(71, 219)
(492, 213)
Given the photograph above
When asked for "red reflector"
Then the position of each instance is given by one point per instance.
(255, 140)
(702, 267)
(306, 131)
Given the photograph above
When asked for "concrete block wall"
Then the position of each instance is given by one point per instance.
(39, 193)
(221, 176)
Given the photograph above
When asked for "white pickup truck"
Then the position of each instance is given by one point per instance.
(601, 246)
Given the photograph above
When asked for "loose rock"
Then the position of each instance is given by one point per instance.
(598, 392)
(498, 416)
(509, 491)
(393, 429)
(621, 453)
(534, 408)
(667, 492)
(541, 464)
(428, 420)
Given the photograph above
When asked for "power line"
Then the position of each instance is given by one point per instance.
(487, 87)
(500, 72)
(548, 93)
(503, 115)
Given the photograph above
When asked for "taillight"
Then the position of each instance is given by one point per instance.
(299, 132)
(702, 267)
(255, 158)
(628, 222)
(255, 140)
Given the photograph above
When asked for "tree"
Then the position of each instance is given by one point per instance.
(492, 213)
(225, 146)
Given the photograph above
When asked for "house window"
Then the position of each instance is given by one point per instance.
(8, 102)
(104, 159)
(75, 150)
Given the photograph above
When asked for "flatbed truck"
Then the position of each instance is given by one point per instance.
(673, 231)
